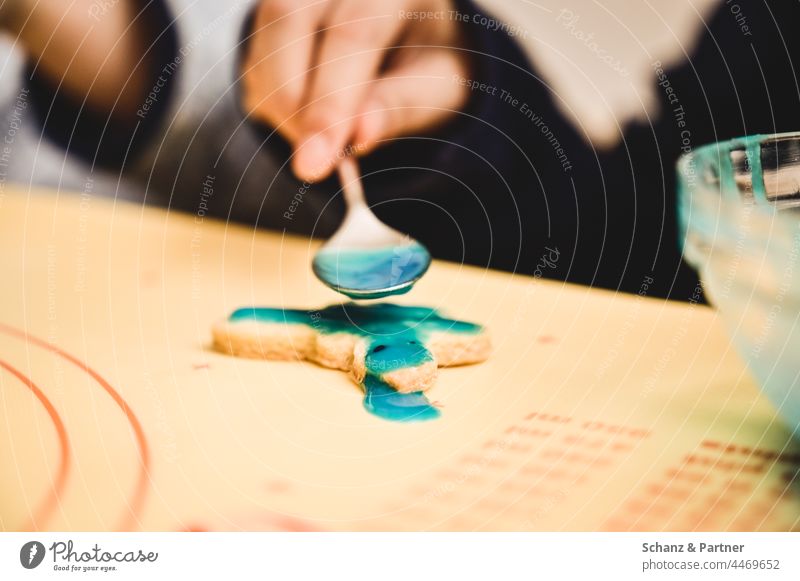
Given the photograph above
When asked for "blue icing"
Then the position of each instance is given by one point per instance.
(403, 349)
(385, 402)
(367, 274)
(395, 340)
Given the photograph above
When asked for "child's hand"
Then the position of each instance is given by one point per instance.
(330, 73)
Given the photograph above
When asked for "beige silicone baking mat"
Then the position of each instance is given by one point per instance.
(596, 411)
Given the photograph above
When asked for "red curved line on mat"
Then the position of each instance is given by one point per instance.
(47, 507)
(140, 491)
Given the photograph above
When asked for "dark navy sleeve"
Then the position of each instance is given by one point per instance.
(496, 187)
(95, 136)
(739, 80)
(510, 184)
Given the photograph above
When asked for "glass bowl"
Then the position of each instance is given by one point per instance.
(739, 217)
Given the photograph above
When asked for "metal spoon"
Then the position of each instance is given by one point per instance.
(365, 258)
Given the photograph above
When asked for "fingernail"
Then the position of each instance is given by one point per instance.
(313, 158)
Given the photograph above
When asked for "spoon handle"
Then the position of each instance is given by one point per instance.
(350, 177)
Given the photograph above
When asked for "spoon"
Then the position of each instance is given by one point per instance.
(365, 258)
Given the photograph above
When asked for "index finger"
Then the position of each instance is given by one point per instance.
(275, 71)
(353, 48)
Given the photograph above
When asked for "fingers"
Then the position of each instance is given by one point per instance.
(315, 72)
(352, 48)
(276, 67)
(416, 96)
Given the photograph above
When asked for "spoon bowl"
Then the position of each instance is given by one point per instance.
(365, 258)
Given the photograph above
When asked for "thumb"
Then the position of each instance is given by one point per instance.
(415, 97)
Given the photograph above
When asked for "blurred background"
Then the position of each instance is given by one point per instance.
(571, 42)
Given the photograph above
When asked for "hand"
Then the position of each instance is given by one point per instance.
(333, 73)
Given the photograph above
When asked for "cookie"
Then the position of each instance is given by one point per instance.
(399, 345)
